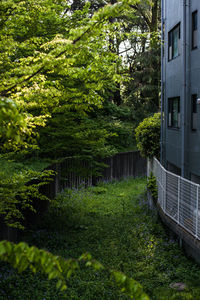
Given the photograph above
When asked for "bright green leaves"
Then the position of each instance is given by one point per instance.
(17, 192)
(53, 58)
(23, 257)
(129, 286)
(13, 124)
(17, 128)
(90, 39)
(148, 136)
(152, 186)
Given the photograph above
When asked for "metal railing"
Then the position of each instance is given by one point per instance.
(179, 198)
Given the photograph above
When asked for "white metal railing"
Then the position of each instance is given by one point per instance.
(178, 198)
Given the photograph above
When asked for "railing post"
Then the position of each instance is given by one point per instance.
(197, 212)
(179, 192)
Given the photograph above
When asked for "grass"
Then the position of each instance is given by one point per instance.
(113, 223)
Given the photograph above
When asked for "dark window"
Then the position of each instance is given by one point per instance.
(194, 112)
(173, 168)
(194, 30)
(174, 112)
(195, 178)
(174, 42)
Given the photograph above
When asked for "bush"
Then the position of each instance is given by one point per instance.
(20, 190)
(148, 136)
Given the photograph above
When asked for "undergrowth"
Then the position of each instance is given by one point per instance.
(114, 224)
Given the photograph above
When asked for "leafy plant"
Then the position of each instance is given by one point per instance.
(148, 136)
(13, 125)
(21, 257)
(119, 230)
(17, 192)
(152, 186)
(98, 190)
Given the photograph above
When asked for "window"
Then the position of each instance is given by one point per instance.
(174, 112)
(194, 113)
(174, 42)
(194, 30)
(173, 168)
(195, 178)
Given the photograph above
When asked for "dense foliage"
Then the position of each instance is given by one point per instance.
(113, 223)
(62, 77)
(148, 136)
(152, 186)
(17, 193)
(57, 66)
(56, 70)
(21, 257)
(61, 61)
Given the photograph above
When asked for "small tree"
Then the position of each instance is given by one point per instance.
(148, 136)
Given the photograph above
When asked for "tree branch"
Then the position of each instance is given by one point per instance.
(7, 91)
(136, 7)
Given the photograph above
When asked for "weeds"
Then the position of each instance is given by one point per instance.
(114, 224)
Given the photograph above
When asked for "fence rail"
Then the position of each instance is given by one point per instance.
(179, 198)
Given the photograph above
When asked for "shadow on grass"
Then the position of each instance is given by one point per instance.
(114, 224)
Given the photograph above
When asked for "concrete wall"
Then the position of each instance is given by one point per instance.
(190, 244)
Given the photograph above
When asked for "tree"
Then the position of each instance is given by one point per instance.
(142, 92)
(136, 40)
(56, 68)
(46, 74)
(63, 65)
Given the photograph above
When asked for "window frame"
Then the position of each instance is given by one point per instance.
(194, 29)
(171, 109)
(194, 112)
(171, 55)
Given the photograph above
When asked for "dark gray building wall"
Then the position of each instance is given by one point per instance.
(175, 140)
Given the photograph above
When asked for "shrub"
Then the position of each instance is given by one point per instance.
(148, 136)
(18, 191)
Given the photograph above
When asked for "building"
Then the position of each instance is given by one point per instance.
(180, 129)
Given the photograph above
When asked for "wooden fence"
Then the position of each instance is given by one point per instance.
(72, 173)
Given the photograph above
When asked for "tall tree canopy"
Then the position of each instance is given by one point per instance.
(65, 89)
(57, 69)
(54, 61)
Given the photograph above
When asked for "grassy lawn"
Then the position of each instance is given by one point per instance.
(113, 223)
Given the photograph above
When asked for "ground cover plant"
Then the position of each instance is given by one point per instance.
(113, 223)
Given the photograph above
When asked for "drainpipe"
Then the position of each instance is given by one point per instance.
(183, 106)
(162, 66)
